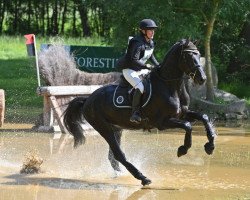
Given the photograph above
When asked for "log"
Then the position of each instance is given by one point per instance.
(67, 90)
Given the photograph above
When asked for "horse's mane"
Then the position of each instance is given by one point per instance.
(173, 49)
(177, 45)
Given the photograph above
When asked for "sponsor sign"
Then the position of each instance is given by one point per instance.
(93, 59)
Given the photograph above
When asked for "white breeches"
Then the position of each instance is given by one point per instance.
(133, 77)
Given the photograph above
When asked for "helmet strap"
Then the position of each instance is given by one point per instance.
(145, 34)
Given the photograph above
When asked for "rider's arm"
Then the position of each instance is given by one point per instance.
(154, 61)
(134, 55)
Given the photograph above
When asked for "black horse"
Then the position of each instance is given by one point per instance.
(167, 108)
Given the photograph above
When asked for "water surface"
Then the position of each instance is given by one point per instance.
(85, 173)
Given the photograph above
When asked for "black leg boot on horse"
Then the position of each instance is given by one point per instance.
(136, 107)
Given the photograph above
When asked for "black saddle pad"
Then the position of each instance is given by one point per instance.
(123, 95)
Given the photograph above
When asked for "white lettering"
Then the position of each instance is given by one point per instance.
(113, 63)
(108, 64)
(96, 62)
(89, 64)
(101, 63)
(81, 62)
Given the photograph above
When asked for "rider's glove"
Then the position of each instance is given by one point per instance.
(150, 66)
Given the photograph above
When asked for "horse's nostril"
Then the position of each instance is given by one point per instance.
(203, 80)
(200, 80)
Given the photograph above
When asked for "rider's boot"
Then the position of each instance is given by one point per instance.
(136, 106)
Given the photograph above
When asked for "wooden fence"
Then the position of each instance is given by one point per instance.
(55, 100)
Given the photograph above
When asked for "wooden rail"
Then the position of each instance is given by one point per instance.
(55, 100)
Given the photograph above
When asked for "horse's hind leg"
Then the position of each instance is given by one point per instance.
(114, 163)
(106, 131)
(120, 156)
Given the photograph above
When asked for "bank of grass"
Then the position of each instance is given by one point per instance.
(18, 75)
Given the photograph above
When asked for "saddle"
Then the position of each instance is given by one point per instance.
(123, 94)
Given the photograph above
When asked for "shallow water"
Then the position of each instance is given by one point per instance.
(85, 173)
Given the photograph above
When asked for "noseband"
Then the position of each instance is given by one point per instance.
(191, 74)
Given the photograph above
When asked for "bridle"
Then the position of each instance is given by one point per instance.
(192, 72)
(189, 75)
(170, 80)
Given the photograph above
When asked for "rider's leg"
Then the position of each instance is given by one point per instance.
(136, 107)
(133, 78)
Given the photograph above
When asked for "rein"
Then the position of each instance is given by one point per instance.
(170, 80)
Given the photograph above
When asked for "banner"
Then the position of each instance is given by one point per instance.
(93, 59)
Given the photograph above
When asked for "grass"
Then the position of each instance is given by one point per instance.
(18, 79)
(18, 76)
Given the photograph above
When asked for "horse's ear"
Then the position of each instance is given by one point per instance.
(187, 42)
(196, 42)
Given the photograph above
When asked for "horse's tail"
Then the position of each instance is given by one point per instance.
(73, 118)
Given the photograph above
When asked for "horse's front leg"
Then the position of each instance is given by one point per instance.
(211, 133)
(176, 123)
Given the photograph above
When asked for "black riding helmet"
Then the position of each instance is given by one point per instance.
(146, 24)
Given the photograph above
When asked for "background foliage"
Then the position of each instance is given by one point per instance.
(18, 76)
(112, 21)
(115, 20)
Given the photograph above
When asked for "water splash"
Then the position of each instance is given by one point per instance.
(32, 163)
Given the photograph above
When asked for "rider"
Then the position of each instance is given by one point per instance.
(140, 49)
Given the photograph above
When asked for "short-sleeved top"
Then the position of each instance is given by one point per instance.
(138, 52)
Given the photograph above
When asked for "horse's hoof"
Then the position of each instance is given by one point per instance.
(116, 168)
(117, 174)
(209, 148)
(146, 181)
(182, 150)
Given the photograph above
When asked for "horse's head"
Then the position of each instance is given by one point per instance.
(190, 62)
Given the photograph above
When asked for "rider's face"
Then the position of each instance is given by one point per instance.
(149, 33)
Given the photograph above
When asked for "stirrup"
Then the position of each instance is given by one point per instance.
(135, 118)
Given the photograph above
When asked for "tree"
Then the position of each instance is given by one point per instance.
(201, 13)
(54, 19)
(64, 10)
(209, 17)
(204, 20)
(2, 13)
(82, 8)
